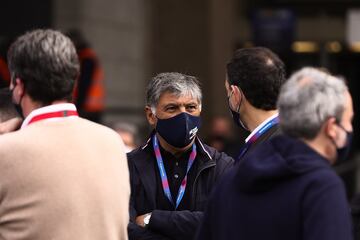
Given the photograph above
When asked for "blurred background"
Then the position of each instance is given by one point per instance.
(135, 39)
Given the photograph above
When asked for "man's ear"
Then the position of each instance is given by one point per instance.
(330, 128)
(20, 90)
(236, 92)
(151, 118)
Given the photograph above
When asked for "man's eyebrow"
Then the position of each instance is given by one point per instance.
(192, 102)
(171, 104)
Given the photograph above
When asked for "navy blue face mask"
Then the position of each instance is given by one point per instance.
(343, 152)
(236, 115)
(180, 130)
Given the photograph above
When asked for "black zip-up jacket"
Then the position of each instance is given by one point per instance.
(171, 224)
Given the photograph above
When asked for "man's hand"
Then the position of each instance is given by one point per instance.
(10, 125)
(140, 220)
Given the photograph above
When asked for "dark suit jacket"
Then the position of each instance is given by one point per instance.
(272, 132)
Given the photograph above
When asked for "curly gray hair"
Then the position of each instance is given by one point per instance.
(172, 82)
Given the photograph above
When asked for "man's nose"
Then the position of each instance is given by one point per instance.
(182, 109)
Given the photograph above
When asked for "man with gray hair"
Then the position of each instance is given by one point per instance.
(173, 173)
(286, 189)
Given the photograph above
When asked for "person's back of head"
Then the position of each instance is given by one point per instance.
(316, 107)
(47, 64)
(307, 100)
(259, 73)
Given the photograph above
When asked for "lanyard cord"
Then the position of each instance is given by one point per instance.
(164, 179)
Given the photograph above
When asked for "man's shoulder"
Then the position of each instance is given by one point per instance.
(309, 165)
(46, 133)
(86, 127)
(13, 144)
(274, 131)
(139, 153)
(139, 157)
(323, 177)
(215, 155)
(9, 138)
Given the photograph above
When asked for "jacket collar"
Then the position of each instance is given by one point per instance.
(144, 163)
(258, 128)
(48, 110)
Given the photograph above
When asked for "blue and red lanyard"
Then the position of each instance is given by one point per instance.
(164, 179)
(257, 135)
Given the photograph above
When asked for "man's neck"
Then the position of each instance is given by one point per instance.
(319, 145)
(28, 105)
(255, 117)
(177, 152)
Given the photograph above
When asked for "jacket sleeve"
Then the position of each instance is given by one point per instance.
(205, 231)
(326, 211)
(140, 233)
(176, 224)
(213, 219)
(135, 231)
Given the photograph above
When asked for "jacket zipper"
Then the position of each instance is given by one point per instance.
(197, 176)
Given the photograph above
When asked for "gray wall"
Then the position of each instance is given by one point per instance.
(136, 39)
(119, 32)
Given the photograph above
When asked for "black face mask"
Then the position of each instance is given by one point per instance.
(236, 115)
(17, 106)
(343, 152)
(179, 130)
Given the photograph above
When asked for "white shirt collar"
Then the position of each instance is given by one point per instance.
(260, 126)
(49, 109)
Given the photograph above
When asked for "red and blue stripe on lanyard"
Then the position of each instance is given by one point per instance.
(257, 135)
(164, 179)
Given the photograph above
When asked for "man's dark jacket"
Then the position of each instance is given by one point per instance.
(171, 224)
(283, 190)
(270, 133)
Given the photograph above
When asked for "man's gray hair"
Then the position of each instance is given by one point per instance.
(172, 82)
(308, 99)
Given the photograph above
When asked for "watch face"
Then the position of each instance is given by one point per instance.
(147, 219)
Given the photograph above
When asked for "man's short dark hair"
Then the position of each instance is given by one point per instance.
(259, 73)
(7, 108)
(47, 63)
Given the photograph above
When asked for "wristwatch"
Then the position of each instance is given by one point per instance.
(147, 219)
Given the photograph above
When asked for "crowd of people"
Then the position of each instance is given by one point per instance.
(66, 177)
